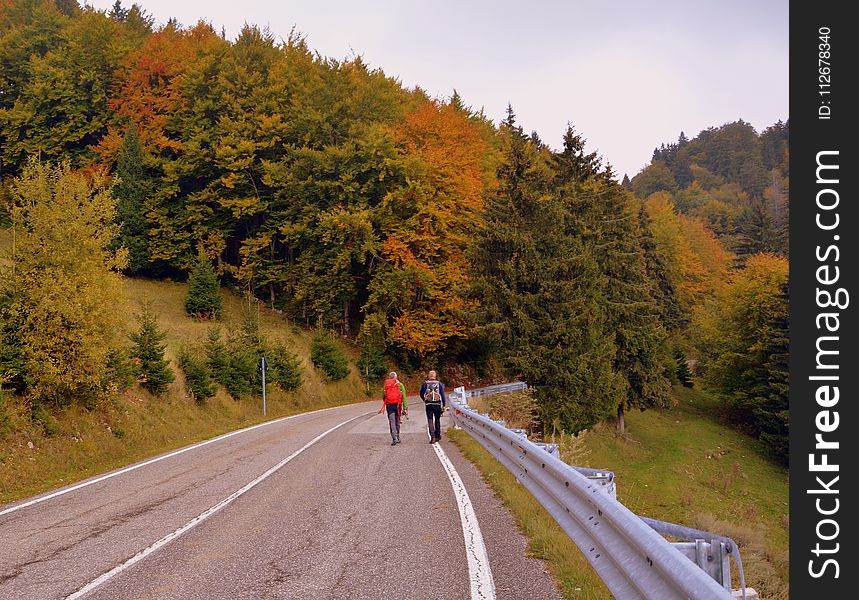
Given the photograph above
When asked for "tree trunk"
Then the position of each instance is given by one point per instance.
(346, 330)
(621, 427)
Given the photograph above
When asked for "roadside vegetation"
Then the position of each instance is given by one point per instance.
(59, 446)
(685, 465)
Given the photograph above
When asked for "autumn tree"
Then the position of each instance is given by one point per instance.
(427, 225)
(747, 347)
(61, 110)
(64, 282)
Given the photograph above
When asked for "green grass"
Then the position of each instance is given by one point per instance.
(137, 425)
(683, 465)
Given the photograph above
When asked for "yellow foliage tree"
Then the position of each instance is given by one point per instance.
(695, 259)
(65, 282)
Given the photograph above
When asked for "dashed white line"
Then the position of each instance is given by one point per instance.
(199, 518)
(149, 462)
(479, 573)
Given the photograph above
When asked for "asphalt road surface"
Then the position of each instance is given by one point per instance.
(319, 505)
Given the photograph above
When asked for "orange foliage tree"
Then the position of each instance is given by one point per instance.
(426, 229)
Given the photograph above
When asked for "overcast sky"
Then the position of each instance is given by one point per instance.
(627, 74)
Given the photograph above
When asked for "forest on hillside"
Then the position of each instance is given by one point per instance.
(414, 226)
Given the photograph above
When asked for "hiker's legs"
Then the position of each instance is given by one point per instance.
(393, 420)
(430, 429)
(434, 421)
(399, 413)
(436, 415)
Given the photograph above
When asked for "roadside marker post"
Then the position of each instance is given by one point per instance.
(263, 367)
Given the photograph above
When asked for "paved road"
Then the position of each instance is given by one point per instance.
(314, 506)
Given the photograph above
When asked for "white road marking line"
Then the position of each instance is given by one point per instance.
(199, 518)
(479, 573)
(150, 461)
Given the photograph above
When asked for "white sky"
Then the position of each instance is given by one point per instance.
(629, 75)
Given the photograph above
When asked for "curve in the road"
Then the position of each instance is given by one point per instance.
(201, 517)
(101, 478)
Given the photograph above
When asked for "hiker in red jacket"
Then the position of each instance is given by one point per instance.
(394, 401)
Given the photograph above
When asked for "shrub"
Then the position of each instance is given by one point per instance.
(198, 380)
(373, 363)
(120, 373)
(204, 298)
(284, 368)
(234, 363)
(153, 370)
(242, 376)
(11, 354)
(217, 355)
(4, 413)
(40, 416)
(517, 409)
(684, 375)
(327, 356)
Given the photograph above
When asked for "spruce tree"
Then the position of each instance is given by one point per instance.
(672, 313)
(633, 314)
(204, 299)
(771, 408)
(131, 191)
(153, 370)
(758, 233)
(684, 374)
(605, 218)
(538, 283)
(626, 183)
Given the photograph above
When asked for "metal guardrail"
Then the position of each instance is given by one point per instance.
(626, 551)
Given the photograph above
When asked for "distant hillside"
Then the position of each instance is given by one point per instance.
(735, 179)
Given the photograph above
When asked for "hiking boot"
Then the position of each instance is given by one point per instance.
(398, 439)
(393, 442)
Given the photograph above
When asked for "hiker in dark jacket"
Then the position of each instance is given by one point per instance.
(432, 393)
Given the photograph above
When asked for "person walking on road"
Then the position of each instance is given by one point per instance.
(432, 393)
(395, 403)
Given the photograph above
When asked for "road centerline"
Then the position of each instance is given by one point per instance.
(201, 517)
(150, 461)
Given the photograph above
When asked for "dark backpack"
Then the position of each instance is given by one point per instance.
(432, 395)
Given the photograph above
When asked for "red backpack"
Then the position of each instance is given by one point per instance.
(393, 395)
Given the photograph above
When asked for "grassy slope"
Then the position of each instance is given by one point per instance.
(682, 465)
(139, 425)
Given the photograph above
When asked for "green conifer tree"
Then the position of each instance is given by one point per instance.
(684, 374)
(772, 411)
(153, 370)
(131, 192)
(633, 314)
(539, 288)
(204, 298)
